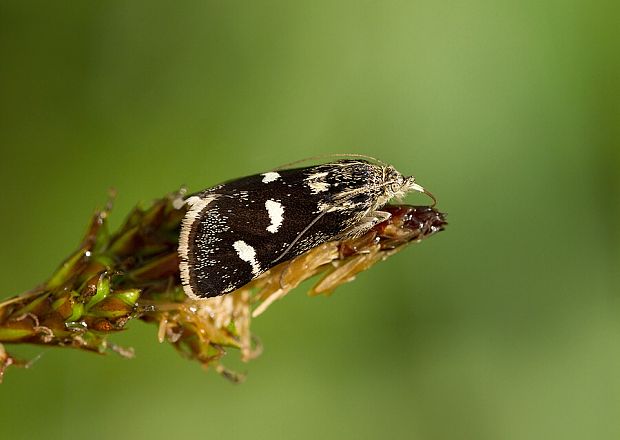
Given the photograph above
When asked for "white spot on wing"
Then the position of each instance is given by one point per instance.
(316, 176)
(248, 254)
(318, 187)
(276, 215)
(270, 176)
(316, 182)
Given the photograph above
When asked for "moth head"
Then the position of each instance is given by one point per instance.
(394, 182)
(398, 185)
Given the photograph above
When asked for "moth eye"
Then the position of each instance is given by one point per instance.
(396, 184)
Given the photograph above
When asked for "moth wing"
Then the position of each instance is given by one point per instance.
(238, 230)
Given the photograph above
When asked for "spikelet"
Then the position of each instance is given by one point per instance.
(134, 274)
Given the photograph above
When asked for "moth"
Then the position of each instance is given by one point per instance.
(237, 230)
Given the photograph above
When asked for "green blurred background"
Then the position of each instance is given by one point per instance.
(505, 326)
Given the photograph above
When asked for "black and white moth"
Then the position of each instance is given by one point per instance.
(235, 231)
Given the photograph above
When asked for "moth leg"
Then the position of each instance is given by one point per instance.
(290, 246)
(366, 223)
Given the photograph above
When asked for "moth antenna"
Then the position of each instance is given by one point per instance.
(290, 246)
(362, 156)
(323, 156)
